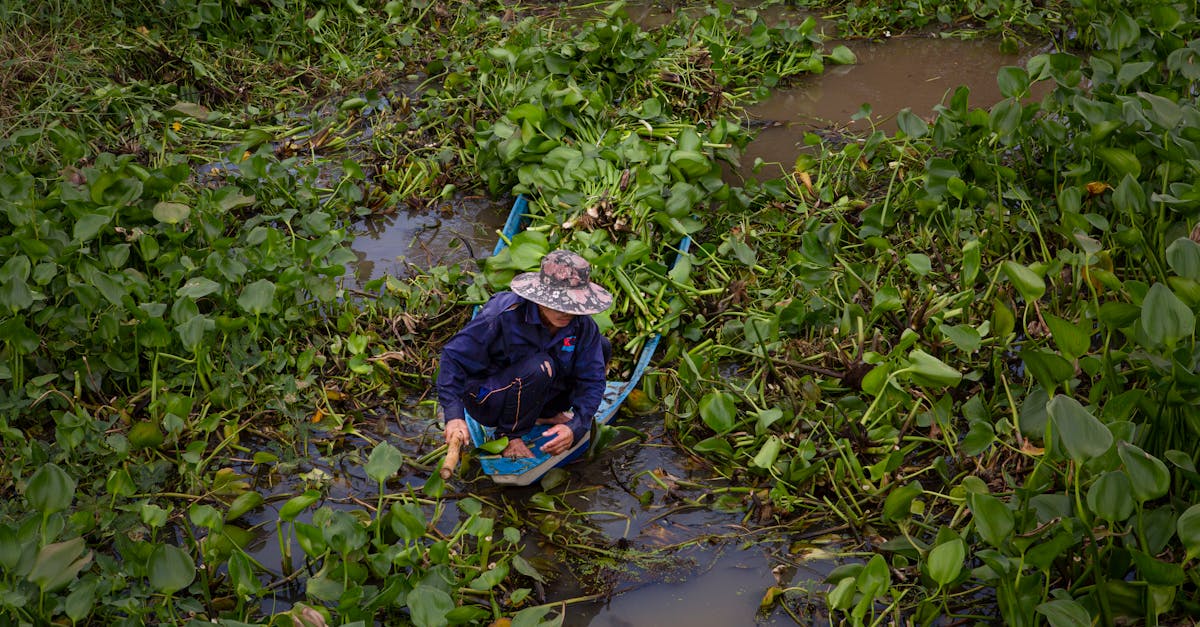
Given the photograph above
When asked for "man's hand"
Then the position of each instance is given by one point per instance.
(562, 440)
(456, 432)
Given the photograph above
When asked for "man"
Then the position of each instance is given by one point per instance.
(532, 355)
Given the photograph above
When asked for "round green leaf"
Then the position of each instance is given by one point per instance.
(50, 489)
(1110, 497)
(171, 212)
(385, 460)
(1148, 474)
(171, 569)
(719, 411)
(1028, 283)
(1165, 318)
(429, 606)
(945, 561)
(258, 297)
(1065, 613)
(1184, 257)
(993, 519)
(1188, 528)
(1081, 433)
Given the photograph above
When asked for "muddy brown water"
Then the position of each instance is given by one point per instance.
(913, 72)
(716, 569)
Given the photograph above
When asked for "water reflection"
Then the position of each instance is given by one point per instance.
(458, 232)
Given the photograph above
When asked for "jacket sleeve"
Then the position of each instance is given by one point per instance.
(589, 381)
(464, 356)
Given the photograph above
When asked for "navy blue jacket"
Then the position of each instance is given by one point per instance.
(506, 330)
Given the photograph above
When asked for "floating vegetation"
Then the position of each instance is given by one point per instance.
(968, 346)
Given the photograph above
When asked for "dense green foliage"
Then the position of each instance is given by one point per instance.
(971, 342)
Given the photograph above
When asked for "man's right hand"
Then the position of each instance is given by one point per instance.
(456, 432)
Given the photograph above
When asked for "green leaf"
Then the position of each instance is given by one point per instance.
(842, 55)
(1165, 318)
(919, 263)
(297, 504)
(258, 297)
(89, 225)
(343, 533)
(1188, 527)
(993, 519)
(719, 411)
(495, 447)
(429, 606)
(58, 563)
(207, 516)
(81, 600)
(945, 561)
(1028, 283)
(171, 569)
(384, 462)
(50, 489)
(244, 502)
(1074, 340)
(532, 617)
(768, 453)
(1148, 474)
(972, 260)
(1123, 163)
(1110, 497)
(241, 573)
(171, 212)
(965, 337)
(1065, 613)
(197, 288)
(1081, 433)
(408, 521)
(898, 504)
(887, 298)
(913, 126)
(1156, 572)
(1013, 81)
(927, 370)
(1048, 368)
(715, 444)
(875, 578)
(525, 568)
(1184, 257)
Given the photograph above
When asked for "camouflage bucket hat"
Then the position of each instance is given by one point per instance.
(563, 284)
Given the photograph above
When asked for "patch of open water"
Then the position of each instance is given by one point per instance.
(460, 232)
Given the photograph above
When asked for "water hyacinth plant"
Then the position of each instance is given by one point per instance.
(969, 345)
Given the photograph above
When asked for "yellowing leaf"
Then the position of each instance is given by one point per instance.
(769, 598)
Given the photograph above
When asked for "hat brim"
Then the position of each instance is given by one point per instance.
(587, 300)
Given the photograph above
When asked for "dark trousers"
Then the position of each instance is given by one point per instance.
(513, 399)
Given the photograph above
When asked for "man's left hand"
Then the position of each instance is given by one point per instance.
(562, 440)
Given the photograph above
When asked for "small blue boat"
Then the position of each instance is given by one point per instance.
(506, 471)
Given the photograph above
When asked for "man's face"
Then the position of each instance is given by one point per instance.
(553, 318)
